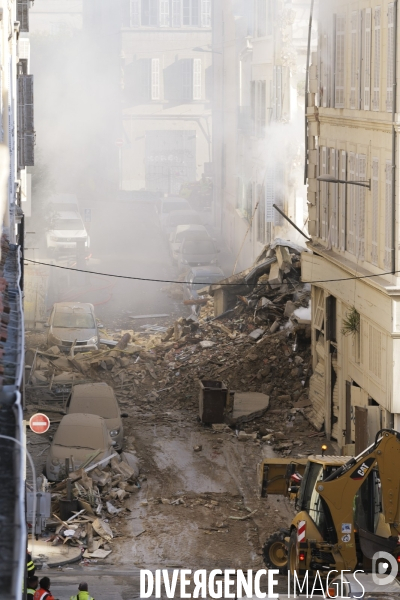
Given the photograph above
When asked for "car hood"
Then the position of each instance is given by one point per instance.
(79, 454)
(70, 334)
(198, 257)
(113, 423)
(62, 233)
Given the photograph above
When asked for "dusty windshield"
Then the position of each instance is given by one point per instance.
(68, 224)
(78, 320)
(198, 247)
(104, 407)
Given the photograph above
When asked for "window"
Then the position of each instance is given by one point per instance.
(377, 59)
(150, 13)
(388, 217)
(176, 13)
(25, 122)
(187, 79)
(135, 13)
(206, 13)
(23, 15)
(190, 13)
(390, 58)
(260, 108)
(375, 212)
(155, 78)
(353, 69)
(164, 13)
(340, 61)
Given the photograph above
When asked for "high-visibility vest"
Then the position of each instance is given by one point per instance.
(82, 596)
(41, 594)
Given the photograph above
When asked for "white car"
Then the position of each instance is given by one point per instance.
(168, 205)
(67, 230)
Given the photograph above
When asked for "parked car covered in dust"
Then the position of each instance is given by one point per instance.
(73, 324)
(78, 437)
(98, 399)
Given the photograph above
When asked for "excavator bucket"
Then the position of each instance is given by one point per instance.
(275, 475)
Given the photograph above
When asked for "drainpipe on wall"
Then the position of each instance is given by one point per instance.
(306, 89)
(394, 136)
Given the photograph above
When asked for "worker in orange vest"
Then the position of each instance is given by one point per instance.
(43, 593)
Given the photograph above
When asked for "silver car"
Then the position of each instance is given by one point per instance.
(181, 217)
(98, 399)
(186, 232)
(72, 327)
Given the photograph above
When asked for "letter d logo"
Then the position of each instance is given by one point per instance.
(385, 561)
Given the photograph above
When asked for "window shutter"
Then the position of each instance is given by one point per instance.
(164, 13)
(155, 78)
(360, 215)
(279, 179)
(205, 13)
(351, 202)
(390, 58)
(197, 79)
(388, 217)
(324, 195)
(334, 208)
(269, 195)
(353, 68)
(342, 199)
(277, 91)
(23, 15)
(176, 13)
(367, 59)
(135, 13)
(375, 211)
(340, 61)
(261, 214)
(377, 59)
(25, 122)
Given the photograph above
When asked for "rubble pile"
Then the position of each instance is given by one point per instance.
(260, 343)
(99, 494)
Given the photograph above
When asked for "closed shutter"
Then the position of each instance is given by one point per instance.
(197, 79)
(261, 214)
(176, 13)
(324, 195)
(277, 94)
(350, 204)
(377, 58)
(155, 78)
(279, 181)
(319, 310)
(360, 206)
(342, 199)
(388, 217)
(205, 13)
(269, 195)
(353, 59)
(367, 59)
(340, 61)
(390, 58)
(25, 122)
(135, 13)
(334, 198)
(375, 211)
(23, 15)
(164, 13)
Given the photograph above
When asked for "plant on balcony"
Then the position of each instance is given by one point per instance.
(351, 323)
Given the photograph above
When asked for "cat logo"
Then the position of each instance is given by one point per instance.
(363, 469)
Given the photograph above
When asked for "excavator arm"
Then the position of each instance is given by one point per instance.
(340, 488)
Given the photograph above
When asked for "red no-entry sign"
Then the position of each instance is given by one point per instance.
(39, 423)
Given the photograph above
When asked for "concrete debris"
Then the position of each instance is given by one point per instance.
(256, 334)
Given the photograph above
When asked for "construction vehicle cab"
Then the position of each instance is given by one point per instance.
(348, 508)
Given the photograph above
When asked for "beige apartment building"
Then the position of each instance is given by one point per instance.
(354, 260)
(259, 52)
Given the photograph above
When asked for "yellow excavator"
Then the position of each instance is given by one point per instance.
(348, 507)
